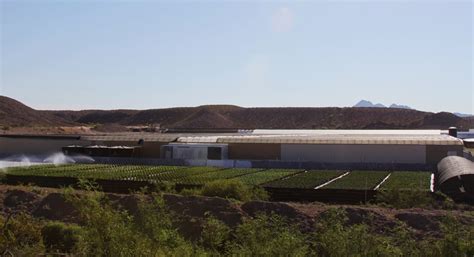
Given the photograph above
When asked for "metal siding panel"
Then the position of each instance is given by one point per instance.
(243, 151)
(435, 153)
(354, 153)
(35, 146)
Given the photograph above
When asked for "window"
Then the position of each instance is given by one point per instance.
(452, 153)
(214, 153)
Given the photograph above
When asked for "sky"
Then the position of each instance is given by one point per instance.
(154, 54)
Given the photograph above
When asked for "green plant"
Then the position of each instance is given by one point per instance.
(267, 236)
(105, 229)
(309, 179)
(154, 222)
(60, 237)
(262, 177)
(111, 232)
(234, 189)
(404, 198)
(334, 238)
(408, 180)
(203, 178)
(456, 241)
(20, 235)
(362, 180)
(191, 191)
(215, 234)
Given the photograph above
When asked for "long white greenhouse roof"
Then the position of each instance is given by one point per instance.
(346, 132)
(392, 137)
(329, 139)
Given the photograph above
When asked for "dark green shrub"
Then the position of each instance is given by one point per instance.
(111, 232)
(405, 198)
(333, 238)
(21, 235)
(233, 189)
(457, 240)
(155, 223)
(215, 234)
(59, 237)
(191, 191)
(267, 236)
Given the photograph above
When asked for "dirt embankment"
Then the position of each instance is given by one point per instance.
(193, 210)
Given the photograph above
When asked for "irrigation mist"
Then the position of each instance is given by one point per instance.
(59, 158)
(55, 158)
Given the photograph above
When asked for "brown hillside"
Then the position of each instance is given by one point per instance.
(228, 116)
(14, 113)
(208, 117)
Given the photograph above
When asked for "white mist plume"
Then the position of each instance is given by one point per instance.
(59, 158)
(282, 19)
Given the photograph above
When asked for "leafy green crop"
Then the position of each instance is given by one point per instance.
(309, 179)
(408, 180)
(96, 171)
(204, 178)
(266, 176)
(363, 180)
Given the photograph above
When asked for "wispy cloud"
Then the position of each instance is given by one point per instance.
(282, 20)
(256, 72)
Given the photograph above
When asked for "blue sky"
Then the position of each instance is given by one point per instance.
(153, 54)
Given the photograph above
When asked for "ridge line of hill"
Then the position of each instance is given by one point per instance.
(15, 113)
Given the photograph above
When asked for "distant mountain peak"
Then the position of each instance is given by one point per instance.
(400, 106)
(463, 115)
(369, 104)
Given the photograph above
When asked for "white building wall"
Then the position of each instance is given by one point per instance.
(191, 153)
(195, 151)
(354, 153)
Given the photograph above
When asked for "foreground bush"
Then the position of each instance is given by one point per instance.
(414, 199)
(111, 232)
(20, 235)
(234, 189)
(268, 236)
(151, 231)
(405, 198)
(60, 237)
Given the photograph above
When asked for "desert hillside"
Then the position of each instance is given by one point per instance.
(14, 113)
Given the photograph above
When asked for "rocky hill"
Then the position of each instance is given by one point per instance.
(14, 113)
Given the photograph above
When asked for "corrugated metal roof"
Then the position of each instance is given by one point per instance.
(132, 137)
(198, 139)
(346, 132)
(346, 139)
(453, 166)
(331, 138)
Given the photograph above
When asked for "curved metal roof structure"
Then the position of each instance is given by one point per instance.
(455, 175)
